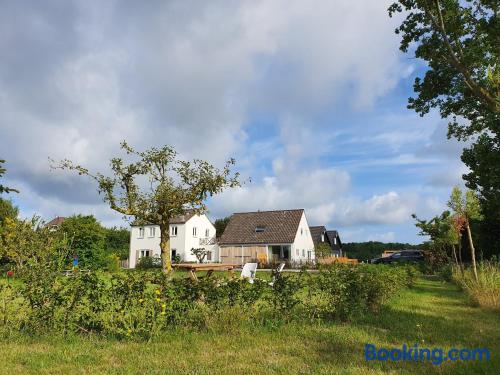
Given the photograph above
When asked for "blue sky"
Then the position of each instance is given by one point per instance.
(309, 97)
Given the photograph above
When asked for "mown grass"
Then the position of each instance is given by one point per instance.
(440, 309)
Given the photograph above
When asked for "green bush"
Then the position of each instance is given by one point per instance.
(142, 304)
(145, 263)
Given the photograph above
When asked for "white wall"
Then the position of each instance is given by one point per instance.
(182, 243)
(143, 243)
(201, 223)
(303, 242)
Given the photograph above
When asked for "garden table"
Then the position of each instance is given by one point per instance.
(192, 268)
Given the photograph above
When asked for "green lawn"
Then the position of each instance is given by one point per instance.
(445, 318)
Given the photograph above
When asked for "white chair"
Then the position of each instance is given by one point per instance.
(248, 272)
(278, 270)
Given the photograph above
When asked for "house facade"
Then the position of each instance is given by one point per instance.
(330, 237)
(267, 237)
(186, 232)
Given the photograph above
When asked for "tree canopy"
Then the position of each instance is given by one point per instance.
(460, 41)
(5, 189)
(170, 186)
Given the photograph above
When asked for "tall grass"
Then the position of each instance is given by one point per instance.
(485, 291)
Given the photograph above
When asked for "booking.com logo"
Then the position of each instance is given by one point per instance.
(434, 355)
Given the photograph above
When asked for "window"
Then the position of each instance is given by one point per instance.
(209, 256)
(173, 231)
(174, 254)
(141, 232)
(334, 240)
(145, 253)
(207, 232)
(297, 252)
(260, 228)
(309, 253)
(322, 237)
(194, 232)
(301, 231)
(303, 253)
(152, 231)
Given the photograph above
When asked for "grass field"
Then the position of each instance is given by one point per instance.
(445, 318)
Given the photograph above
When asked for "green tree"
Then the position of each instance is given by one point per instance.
(220, 225)
(322, 250)
(460, 42)
(5, 189)
(173, 187)
(466, 208)
(118, 242)
(30, 244)
(443, 234)
(87, 239)
(7, 210)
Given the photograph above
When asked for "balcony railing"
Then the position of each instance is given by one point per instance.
(205, 241)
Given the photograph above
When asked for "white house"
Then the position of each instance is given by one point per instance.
(267, 236)
(186, 232)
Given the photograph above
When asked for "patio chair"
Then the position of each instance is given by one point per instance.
(248, 272)
(276, 272)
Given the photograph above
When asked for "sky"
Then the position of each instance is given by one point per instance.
(309, 97)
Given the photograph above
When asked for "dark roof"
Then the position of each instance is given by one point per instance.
(332, 234)
(316, 233)
(55, 222)
(181, 219)
(280, 227)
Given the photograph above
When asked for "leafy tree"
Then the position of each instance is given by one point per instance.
(460, 42)
(173, 186)
(5, 189)
(220, 225)
(7, 210)
(444, 236)
(87, 239)
(30, 244)
(322, 250)
(466, 208)
(200, 253)
(117, 242)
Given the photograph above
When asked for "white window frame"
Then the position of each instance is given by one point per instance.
(309, 254)
(152, 231)
(173, 231)
(143, 253)
(207, 232)
(209, 256)
(141, 232)
(195, 232)
(303, 253)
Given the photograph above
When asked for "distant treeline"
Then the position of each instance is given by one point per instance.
(373, 249)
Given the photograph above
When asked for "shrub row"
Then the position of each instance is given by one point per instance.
(141, 304)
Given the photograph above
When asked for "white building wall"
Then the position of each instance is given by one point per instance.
(303, 243)
(182, 242)
(192, 240)
(145, 242)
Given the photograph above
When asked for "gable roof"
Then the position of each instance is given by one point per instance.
(279, 227)
(180, 219)
(316, 233)
(55, 222)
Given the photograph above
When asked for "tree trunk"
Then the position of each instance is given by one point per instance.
(166, 255)
(460, 254)
(472, 251)
(455, 255)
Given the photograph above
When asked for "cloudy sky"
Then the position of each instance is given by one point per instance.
(308, 96)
